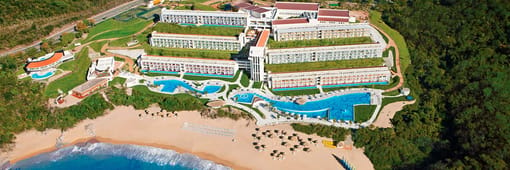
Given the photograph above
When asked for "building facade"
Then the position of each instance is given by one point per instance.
(204, 17)
(323, 53)
(186, 65)
(89, 87)
(102, 68)
(299, 9)
(210, 42)
(48, 61)
(319, 31)
(329, 78)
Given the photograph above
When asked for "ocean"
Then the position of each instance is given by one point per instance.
(114, 156)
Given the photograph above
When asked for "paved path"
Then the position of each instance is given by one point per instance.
(392, 43)
(387, 113)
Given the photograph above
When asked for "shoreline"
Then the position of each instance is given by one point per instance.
(201, 155)
(122, 125)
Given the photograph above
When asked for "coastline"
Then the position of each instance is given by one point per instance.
(154, 132)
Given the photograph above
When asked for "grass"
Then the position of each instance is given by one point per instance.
(79, 66)
(196, 53)
(296, 92)
(98, 45)
(231, 87)
(257, 85)
(113, 29)
(405, 59)
(122, 42)
(384, 37)
(119, 59)
(324, 65)
(245, 81)
(204, 30)
(272, 44)
(363, 112)
(254, 109)
(117, 80)
(391, 93)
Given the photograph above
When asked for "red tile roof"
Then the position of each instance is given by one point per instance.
(243, 5)
(333, 19)
(332, 12)
(261, 42)
(260, 10)
(56, 57)
(290, 21)
(297, 6)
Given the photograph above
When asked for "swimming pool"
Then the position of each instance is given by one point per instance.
(170, 86)
(38, 76)
(335, 107)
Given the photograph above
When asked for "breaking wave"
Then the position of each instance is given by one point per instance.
(147, 154)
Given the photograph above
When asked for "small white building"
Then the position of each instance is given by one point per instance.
(297, 9)
(48, 61)
(102, 68)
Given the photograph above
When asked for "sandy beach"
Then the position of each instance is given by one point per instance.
(123, 126)
(387, 113)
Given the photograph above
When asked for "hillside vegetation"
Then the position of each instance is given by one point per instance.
(460, 76)
(31, 20)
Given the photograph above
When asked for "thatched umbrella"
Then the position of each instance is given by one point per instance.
(255, 143)
(254, 135)
(309, 139)
(258, 137)
(281, 137)
(307, 149)
(263, 146)
(257, 129)
(270, 136)
(285, 144)
(296, 146)
(294, 134)
(276, 131)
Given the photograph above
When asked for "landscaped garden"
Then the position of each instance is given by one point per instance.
(78, 66)
(324, 65)
(113, 29)
(363, 112)
(272, 44)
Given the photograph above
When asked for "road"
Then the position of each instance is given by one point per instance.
(70, 27)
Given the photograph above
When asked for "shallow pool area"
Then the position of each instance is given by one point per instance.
(40, 76)
(169, 86)
(336, 107)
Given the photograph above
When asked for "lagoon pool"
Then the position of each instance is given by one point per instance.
(335, 107)
(39, 76)
(169, 86)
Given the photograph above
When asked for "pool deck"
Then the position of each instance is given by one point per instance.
(269, 117)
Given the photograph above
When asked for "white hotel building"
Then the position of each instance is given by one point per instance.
(195, 66)
(329, 78)
(317, 24)
(210, 42)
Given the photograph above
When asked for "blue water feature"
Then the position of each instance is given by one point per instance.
(111, 156)
(170, 86)
(335, 107)
(43, 76)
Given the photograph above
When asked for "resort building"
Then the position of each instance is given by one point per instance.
(210, 42)
(299, 9)
(256, 56)
(329, 78)
(334, 16)
(288, 32)
(259, 17)
(323, 53)
(102, 68)
(204, 17)
(89, 87)
(188, 65)
(48, 61)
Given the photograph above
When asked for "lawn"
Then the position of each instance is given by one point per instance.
(245, 81)
(204, 30)
(79, 66)
(98, 45)
(257, 85)
(363, 112)
(117, 80)
(113, 29)
(324, 65)
(405, 59)
(122, 42)
(272, 44)
(196, 53)
(231, 87)
(394, 81)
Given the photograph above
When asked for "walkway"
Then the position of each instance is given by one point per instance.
(387, 113)
(391, 43)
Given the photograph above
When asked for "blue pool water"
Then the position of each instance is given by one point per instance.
(170, 86)
(336, 107)
(43, 76)
(110, 156)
